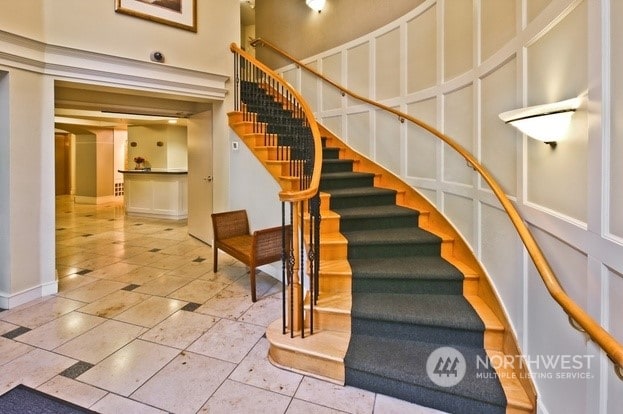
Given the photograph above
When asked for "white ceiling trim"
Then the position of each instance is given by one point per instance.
(82, 66)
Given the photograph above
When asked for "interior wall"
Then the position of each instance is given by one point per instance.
(339, 22)
(461, 63)
(172, 154)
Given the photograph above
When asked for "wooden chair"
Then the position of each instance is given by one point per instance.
(232, 235)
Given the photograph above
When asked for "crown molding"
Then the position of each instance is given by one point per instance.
(81, 66)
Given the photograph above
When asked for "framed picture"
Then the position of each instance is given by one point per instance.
(177, 13)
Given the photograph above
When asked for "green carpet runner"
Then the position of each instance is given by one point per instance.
(407, 301)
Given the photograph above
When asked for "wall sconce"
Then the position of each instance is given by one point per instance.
(548, 123)
(316, 5)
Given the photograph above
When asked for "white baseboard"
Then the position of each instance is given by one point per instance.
(10, 301)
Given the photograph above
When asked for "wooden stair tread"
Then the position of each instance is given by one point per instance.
(336, 267)
(329, 345)
(340, 302)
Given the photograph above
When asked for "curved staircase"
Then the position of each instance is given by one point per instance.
(397, 283)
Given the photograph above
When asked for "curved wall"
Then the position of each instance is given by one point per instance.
(457, 64)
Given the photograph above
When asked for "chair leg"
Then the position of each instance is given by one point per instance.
(252, 278)
(215, 258)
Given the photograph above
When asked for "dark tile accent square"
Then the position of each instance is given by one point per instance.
(77, 369)
(155, 250)
(199, 259)
(191, 307)
(61, 228)
(87, 235)
(15, 332)
(169, 229)
(84, 272)
(130, 287)
(111, 219)
(138, 224)
(89, 215)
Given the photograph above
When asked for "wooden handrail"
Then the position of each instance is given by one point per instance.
(312, 189)
(596, 332)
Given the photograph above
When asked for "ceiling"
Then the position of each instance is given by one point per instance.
(84, 105)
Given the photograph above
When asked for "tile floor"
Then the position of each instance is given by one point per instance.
(141, 324)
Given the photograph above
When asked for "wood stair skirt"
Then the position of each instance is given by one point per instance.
(322, 354)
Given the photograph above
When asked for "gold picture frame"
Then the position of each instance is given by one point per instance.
(177, 13)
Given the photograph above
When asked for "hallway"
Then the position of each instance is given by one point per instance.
(141, 324)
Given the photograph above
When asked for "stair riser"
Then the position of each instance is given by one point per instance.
(332, 184)
(335, 283)
(332, 251)
(392, 250)
(374, 223)
(332, 167)
(309, 364)
(414, 332)
(330, 153)
(368, 201)
(410, 286)
(331, 321)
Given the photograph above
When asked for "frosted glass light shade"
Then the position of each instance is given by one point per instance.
(315, 5)
(547, 123)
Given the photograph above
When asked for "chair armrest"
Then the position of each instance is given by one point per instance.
(267, 244)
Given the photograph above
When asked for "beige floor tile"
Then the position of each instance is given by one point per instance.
(74, 281)
(98, 343)
(9, 350)
(141, 275)
(234, 397)
(41, 312)
(143, 259)
(112, 271)
(32, 369)
(114, 304)
(192, 269)
(94, 291)
(180, 329)
(162, 286)
(227, 304)
(128, 368)
(170, 262)
(97, 262)
(256, 370)
(263, 312)
(6, 327)
(304, 407)
(389, 405)
(151, 312)
(63, 271)
(185, 384)
(228, 340)
(73, 391)
(114, 404)
(349, 399)
(61, 330)
(198, 291)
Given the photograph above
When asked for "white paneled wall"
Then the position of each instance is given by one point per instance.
(457, 64)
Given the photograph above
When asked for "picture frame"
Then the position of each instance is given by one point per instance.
(177, 13)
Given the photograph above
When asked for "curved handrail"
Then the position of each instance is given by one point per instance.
(596, 332)
(312, 189)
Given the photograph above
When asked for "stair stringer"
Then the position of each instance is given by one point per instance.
(479, 292)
